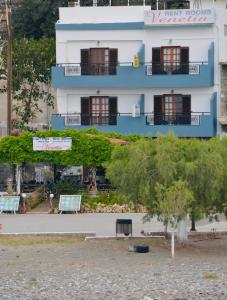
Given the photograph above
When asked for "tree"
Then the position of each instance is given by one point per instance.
(138, 169)
(32, 61)
(175, 203)
(36, 18)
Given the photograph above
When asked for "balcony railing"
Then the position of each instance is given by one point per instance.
(85, 3)
(94, 119)
(154, 4)
(174, 119)
(78, 119)
(102, 69)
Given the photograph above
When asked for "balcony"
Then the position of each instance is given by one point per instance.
(125, 75)
(201, 124)
(151, 3)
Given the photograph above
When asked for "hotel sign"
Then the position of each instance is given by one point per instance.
(179, 17)
(52, 144)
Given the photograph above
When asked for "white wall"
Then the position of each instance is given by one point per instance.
(82, 15)
(126, 49)
(129, 42)
(69, 100)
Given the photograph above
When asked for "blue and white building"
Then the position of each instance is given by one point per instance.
(146, 67)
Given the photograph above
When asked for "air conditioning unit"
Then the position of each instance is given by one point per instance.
(72, 70)
(150, 120)
(72, 120)
(149, 70)
(136, 111)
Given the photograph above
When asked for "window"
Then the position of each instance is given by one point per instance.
(169, 4)
(172, 109)
(99, 110)
(99, 61)
(170, 60)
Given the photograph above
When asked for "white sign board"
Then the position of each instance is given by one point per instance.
(179, 17)
(52, 144)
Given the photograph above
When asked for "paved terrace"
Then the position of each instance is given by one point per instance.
(101, 224)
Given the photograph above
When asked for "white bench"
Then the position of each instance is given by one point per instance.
(69, 203)
(9, 203)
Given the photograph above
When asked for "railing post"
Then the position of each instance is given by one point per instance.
(110, 4)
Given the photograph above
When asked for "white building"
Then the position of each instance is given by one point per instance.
(131, 69)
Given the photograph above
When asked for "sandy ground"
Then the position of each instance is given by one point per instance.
(72, 268)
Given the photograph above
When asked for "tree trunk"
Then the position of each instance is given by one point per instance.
(193, 221)
(182, 230)
(193, 225)
(18, 178)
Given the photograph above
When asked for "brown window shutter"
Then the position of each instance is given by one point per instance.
(85, 111)
(112, 110)
(158, 109)
(84, 59)
(156, 60)
(187, 108)
(113, 61)
(184, 54)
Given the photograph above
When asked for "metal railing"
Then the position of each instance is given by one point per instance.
(151, 68)
(193, 118)
(173, 68)
(154, 4)
(78, 119)
(174, 119)
(84, 3)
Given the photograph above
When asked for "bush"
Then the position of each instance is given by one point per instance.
(107, 198)
(66, 187)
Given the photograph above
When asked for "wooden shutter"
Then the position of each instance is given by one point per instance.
(84, 59)
(156, 60)
(85, 110)
(112, 110)
(184, 54)
(186, 109)
(113, 60)
(158, 109)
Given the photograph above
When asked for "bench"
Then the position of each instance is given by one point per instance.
(9, 203)
(69, 203)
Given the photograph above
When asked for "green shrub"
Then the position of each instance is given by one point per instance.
(66, 187)
(107, 198)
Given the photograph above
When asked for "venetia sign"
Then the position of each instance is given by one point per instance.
(177, 17)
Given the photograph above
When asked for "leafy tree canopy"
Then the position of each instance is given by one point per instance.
(87, 150)
(36, 18)
(32, 60)
(142, 170)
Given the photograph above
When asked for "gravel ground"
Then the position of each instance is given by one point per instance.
(71, 268)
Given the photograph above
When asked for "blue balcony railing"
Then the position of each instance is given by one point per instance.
(200, 124)
(124, 75)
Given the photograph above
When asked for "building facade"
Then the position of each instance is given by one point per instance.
(144, 67)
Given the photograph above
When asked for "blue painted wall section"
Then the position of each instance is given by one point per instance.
(130, 125)
(134, 78)
(122, 26)
(141, 54)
